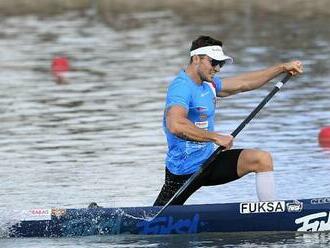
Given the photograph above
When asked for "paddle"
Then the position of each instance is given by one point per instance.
(207, 163)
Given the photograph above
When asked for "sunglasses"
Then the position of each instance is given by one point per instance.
(215, 63)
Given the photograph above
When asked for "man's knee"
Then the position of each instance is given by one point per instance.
(254, 161)
(264, 161)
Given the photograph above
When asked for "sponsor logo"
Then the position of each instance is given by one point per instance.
(201, 109)
(167, 225)
(325, 200)
(203, 116)
(37, 214)
(314, 222)
(202, 124)
(295, 206)
(58, 212)
(262, 207)
(204, 94)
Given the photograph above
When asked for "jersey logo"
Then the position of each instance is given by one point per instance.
(204, 94)
(201, 109)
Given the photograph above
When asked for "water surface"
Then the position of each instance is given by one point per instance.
(99, 137)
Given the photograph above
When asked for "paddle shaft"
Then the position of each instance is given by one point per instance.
(208, 162)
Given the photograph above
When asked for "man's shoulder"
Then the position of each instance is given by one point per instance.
(180, 80)
(179, 84)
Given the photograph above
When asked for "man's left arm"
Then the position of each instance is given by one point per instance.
(253, 80)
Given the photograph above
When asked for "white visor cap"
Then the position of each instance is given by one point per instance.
(214, 52)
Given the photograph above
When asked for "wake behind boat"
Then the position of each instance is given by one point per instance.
(308, 215)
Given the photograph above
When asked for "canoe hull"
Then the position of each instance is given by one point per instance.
(308, 215)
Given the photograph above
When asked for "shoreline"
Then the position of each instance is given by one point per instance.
(184, 8)
(41, 7)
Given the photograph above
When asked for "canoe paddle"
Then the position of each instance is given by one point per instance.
(208, 162)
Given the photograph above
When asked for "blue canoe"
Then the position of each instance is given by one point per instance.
(308, 215)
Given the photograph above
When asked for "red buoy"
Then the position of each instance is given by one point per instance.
(60, 65)
(324, 137)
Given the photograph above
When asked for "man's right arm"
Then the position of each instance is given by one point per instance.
(178, 124)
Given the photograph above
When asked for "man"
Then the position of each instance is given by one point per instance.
(189, 124)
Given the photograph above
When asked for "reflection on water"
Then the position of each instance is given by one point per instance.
(99, 137)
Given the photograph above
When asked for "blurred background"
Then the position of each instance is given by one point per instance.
(83, 84)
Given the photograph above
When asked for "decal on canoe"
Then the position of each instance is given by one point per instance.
(294, 206)
(262, 207)
(58, 212)
(37, 214)
(168, 224)
(325, 200)
(314, 222)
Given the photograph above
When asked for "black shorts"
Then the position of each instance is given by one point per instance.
(222, 170)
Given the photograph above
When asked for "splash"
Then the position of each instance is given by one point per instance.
(8, 218)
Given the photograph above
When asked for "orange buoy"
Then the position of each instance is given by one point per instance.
(324, 137)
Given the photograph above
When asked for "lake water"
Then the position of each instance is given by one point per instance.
(99, 137)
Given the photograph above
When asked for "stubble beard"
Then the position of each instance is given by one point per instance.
(204, 77)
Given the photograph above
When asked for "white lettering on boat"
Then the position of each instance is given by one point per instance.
(262, 207)
(37, 214)
(324, 200)
(167, 225)
(314, 222)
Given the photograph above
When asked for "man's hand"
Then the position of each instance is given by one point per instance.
(294, 67)
(225, 140)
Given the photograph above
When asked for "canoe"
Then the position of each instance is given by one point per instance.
(307, 215)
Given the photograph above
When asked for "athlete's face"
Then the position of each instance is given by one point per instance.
(208, 67)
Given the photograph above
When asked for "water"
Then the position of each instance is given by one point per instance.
(99, 137)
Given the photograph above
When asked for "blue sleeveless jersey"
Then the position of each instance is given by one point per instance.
(183, 156)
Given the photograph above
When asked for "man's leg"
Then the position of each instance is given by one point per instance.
(172, 184)
(261, 163)
(222, 170)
